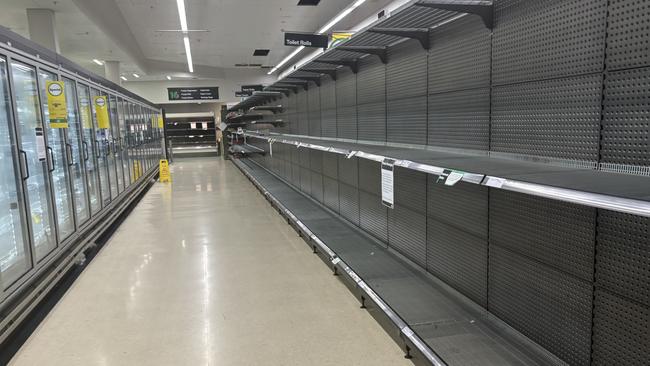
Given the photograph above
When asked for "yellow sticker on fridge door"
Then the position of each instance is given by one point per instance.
(56, 104)
(101, 109)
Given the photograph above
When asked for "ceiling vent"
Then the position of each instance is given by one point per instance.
(308, 2)
(261, 52)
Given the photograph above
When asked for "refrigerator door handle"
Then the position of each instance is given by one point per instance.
(52, 162)
(68, 149)
(85, 150)
(25, 168)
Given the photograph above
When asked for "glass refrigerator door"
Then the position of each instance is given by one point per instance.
(14, 245)
(133, 151)
(115, 151)
(60, 158)
(75, 138)
(90, 151)
(32, 149)
(101, 145)
(124, 141)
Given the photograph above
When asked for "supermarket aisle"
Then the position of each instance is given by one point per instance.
(205, 272)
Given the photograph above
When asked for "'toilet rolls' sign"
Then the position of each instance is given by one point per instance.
(306, 40)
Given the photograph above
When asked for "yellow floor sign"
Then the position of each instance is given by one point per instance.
(165, 175)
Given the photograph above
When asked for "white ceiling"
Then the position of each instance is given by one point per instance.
(127, 31)
(236, 28)
(79, 38)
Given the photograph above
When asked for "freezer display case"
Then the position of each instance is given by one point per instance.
(14, 243)
(116, 155)
(90, 148)
(60, 159)
(33, 152)
(61, 185)
(79, 153)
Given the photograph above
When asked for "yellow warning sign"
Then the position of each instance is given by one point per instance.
(165, 175)
(137, 172)
(56, 104)
(160, 122)
(340, 37)
(101, 109)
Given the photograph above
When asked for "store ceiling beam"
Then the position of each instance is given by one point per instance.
(484, 9)
(330, 72)
(353, 64)
(421, 34)
(380, 51)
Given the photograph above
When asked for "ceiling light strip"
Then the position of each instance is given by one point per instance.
(186, 39)
(323, 29)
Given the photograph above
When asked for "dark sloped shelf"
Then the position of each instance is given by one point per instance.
(271, 108)
(437, 325)
(590, 187)
(246, 117)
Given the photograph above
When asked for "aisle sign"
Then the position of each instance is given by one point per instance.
(252, 88)
(243, 94)
(387, 183)
(101, 109)
(56, 104)
(165, 175)
(306, 40)
(200, 93)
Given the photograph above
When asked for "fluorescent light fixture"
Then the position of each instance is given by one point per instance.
(340, 16)
(186, 39)
(98, 62)
(324, 29)
(188, 52)
(169, 77)
(181, 13)
(123, 78)
(286, 59)
(136, 75)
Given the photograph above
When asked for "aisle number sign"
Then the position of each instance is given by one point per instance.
(101, 109)
(165, 175)
(56, 104)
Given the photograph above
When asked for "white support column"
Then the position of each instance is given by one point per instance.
(112, 71)
(42, 28)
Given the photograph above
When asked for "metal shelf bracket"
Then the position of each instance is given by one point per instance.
(382, 52)
(421, 34)
(353, 64)
(484, 9)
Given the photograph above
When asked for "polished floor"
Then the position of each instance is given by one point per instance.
(205, 272)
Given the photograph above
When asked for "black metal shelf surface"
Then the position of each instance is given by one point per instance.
(444, 327)
(626, 193)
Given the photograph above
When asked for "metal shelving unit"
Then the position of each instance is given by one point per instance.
(546, 227)
(590, 187)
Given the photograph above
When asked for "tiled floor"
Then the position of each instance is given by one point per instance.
(205, 272)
